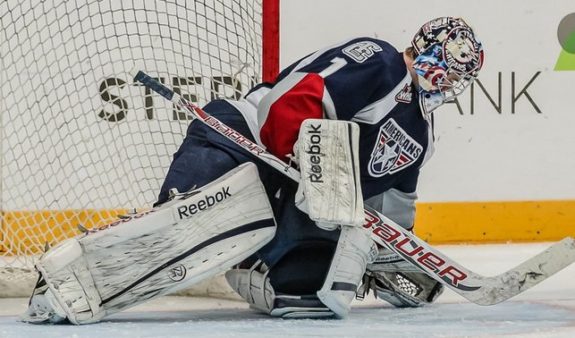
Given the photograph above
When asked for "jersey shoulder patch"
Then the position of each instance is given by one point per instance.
(393, 151)
(405, 95)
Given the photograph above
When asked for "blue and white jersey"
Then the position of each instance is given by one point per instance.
(363, 80)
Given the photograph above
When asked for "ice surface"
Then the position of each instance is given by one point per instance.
(547, 310)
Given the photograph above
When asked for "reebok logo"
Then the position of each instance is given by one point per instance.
(314, 153)
(208, 201)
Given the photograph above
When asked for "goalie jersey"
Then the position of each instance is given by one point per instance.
(364, 80)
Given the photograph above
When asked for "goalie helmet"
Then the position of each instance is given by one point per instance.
(448, 59)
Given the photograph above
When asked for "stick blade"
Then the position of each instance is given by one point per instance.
(526, 275)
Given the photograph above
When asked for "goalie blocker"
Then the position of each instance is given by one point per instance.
(193, 236)
(327, 152)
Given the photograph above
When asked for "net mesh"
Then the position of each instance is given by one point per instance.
(80, 142)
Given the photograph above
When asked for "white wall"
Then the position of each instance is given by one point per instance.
(485, 155)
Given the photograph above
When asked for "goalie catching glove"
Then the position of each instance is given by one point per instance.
(398, 282)
(329, 191)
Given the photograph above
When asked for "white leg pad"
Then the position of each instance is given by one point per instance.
(72, 289)
(190, 238)
(355, 249)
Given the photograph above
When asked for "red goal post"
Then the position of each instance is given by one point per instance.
(79, 142)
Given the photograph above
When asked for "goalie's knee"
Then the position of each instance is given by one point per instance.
(302, 270)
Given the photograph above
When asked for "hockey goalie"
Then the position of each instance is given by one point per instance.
(354, 118)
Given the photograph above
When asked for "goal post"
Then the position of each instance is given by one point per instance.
(79, 142)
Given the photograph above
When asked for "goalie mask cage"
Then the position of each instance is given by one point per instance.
(80, 142)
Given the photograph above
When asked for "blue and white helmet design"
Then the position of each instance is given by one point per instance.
(449, 58)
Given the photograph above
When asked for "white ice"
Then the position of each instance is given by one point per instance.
(547, 310)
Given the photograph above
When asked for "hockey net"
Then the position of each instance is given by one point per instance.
(80, 143)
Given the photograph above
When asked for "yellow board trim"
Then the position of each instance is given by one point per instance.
(495, 222)
(26, 232)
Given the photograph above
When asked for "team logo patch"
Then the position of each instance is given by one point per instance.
(394, 150)
(405, 95)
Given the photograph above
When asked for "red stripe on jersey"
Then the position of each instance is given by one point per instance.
(303, 101)
(402, 159)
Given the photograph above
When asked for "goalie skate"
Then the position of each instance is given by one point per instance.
(253, 285)
(190, 238)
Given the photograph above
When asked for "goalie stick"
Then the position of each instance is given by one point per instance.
(474, 287)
